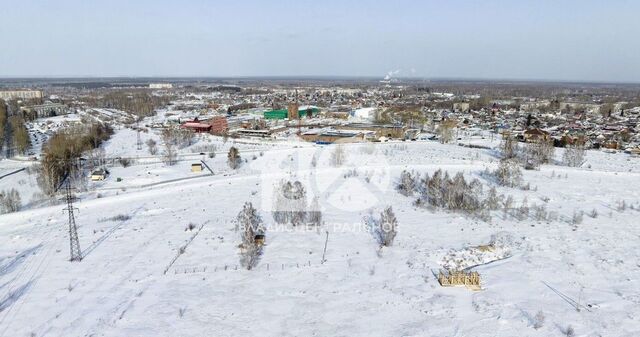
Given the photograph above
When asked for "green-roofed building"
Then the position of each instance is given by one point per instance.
(276, 114)
(308, 111)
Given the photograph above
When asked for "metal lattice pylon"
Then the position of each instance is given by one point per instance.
(138, 140)
(74, 242)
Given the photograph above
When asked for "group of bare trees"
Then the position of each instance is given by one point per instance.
(21, 139)
(3, 121)
(443, 191)
(290, 205)
(537, 152)
(574, 155)
(457, 194)
(508, 173)
(173, 139)
(445, 131)
(61, 154)
(10, 201)
(140, 103)
(17, 129)
(531, 155)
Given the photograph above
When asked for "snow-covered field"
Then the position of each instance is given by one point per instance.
(121, 289)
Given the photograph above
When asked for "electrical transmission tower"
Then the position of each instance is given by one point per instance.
(74, 243)
(138, 141)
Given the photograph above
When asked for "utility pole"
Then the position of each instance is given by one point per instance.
(324, 252)
(74, 243)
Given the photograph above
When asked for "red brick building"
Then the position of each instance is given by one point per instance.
(218, 125)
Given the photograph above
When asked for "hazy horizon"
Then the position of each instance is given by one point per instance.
(571, 41)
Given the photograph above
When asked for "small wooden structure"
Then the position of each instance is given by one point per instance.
(259, 239)
(459, 278)
(197, 167)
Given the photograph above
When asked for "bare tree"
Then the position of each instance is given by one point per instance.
(251, 228)
(170, 154)
(314, 215)
(387, 227)
(233, 158)
(152, 146)
(338, 156)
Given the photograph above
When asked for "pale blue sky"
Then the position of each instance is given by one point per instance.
(558, 40)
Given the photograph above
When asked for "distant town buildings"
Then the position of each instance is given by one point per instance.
(461, 106)
(20, 94)
(160, 85)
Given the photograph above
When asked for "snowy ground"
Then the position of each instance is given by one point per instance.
(121, 289)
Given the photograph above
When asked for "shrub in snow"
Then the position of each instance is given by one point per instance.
(249, 224)
(387, 227)
(10, 201)
(506, 242)
(124, 162)
(523, 211)
(338, 156)
(569, 332)
(493, 200)
(538, 320)
(593, 213)
(577, 217)
(407, 183)
(539, 212)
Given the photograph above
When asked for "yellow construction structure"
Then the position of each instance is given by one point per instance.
(196, 167)
(456, 278)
